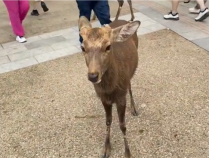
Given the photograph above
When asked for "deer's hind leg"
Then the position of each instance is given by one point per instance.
(120, 2)
(131, 9)
(133, 108)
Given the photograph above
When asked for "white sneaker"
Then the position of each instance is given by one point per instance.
(202, 15)
(194, 10)
(21, 39)
(171, 16)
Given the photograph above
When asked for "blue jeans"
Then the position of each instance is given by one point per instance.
(100, 8)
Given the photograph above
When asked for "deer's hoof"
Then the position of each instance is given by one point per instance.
(107, 152)
(135, 113)
(127, 154)
(132, 19)
(106, 156)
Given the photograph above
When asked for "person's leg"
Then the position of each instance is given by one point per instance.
(24, 8)
(201, 4)
(175, 4)
(14, 15)
(85, 8)
(198, 6)
(102, 11)
(35, 11)
(173, 14)
(196, 9)
(204, 12)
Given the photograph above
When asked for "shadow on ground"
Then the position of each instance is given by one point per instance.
(51, 110)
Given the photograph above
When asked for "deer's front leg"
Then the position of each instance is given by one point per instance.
(121, 109)
(131, 9)
(108, 111)
(120, 2)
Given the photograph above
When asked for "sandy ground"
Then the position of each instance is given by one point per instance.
(61, 15)
(51, 110)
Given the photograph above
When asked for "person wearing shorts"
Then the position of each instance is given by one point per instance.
(35, 10)
(202, 14)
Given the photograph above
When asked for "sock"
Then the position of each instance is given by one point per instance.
(174, 13)
(203, 10)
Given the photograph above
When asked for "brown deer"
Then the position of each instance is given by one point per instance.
(120, 2)
(111, 56)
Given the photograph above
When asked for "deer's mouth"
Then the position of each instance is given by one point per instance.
(95, 81)
(98, 81)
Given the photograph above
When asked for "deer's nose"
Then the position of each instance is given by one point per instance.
(93, 77)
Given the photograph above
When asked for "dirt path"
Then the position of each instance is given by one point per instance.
(51, 110)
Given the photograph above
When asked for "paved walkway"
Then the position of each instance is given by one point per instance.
(187, 27)
(65, 42)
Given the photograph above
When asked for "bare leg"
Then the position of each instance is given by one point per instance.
(34, 4)
(120, 2)
(108, 110)
(201, 4)
(133, 109)
(121, 109)
(175, 4)
(131, 9)
(198, 6)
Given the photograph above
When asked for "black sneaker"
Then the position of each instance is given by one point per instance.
(35, 13)
(43, 5)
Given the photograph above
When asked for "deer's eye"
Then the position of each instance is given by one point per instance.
(108, 48)
(82, 48)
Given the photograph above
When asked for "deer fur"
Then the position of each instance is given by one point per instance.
(111, 55)
(120, 2)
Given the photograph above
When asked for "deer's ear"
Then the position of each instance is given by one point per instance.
(83, 32)
(84, 25)
(122, 33)
(83, 22)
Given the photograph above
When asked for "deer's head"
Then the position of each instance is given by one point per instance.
(97, 45)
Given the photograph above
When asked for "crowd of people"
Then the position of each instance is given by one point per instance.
(18, 10)
(199, 9)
